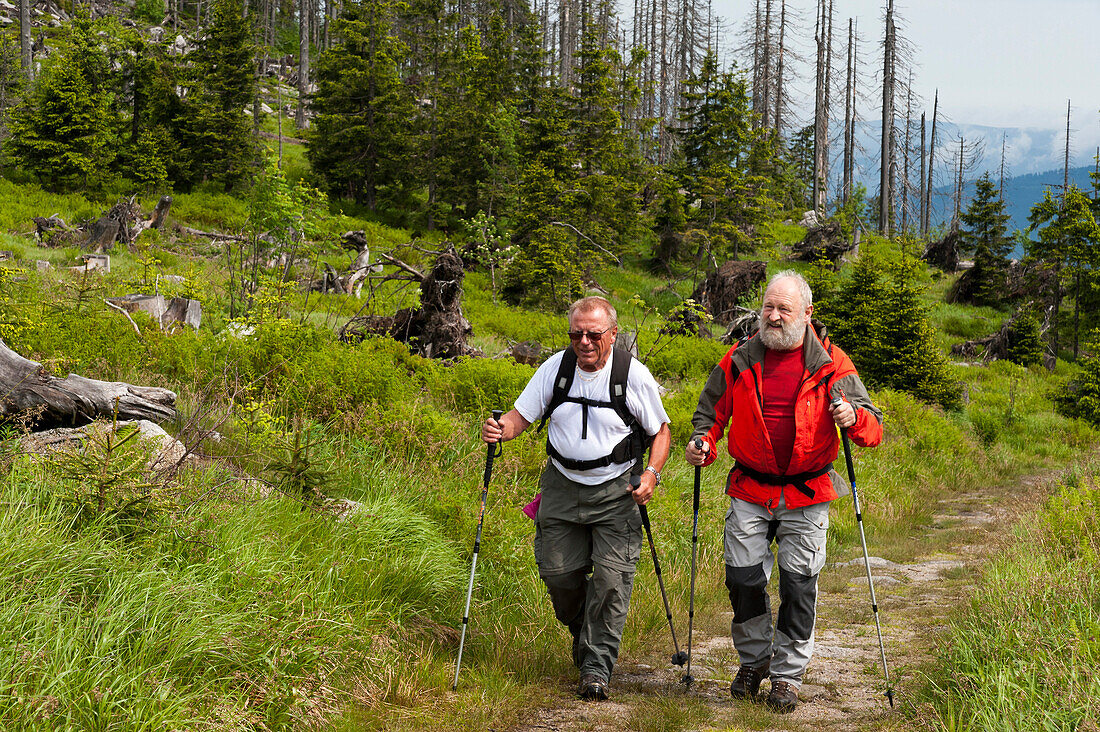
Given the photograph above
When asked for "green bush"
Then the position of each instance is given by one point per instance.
(877, 318)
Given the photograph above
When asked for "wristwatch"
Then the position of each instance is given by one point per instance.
(656, 474)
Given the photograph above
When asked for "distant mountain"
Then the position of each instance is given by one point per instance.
(1033, 162)
(1020, 194)
(1027, 150)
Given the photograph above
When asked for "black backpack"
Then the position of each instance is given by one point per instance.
(632, 446)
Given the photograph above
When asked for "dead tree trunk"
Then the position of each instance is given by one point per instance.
(25, 37)
(821, 114)
(303, 62)
(437, 329)
(886, 193)
(926, 223)
(849, 104)
(27, 391)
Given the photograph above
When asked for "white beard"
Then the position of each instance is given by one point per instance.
(786, 338)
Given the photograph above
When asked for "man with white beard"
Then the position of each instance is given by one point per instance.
(776, 391)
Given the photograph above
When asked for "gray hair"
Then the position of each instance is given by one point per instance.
(595, 302)
(803, 287)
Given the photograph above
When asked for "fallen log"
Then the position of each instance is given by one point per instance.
(28, 392)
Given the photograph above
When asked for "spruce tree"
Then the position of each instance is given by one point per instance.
(216, 136)
(1069, 241)
(361, 139)
(65, 131)
(877, 318)
(986, 233)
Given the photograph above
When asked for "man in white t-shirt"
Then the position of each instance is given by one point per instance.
(588, 529)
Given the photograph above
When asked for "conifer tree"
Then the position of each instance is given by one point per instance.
(726, 164)
(1069, 240)
(877, 317)
(65, 132)
(216, 137)
(986, 232)
(361, 138)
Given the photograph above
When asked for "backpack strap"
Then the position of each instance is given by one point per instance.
(563, 381)
(632, 446)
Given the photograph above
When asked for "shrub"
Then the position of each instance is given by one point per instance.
(1080, 396)
(877, 318)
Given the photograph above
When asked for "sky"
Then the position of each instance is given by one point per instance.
(998, 63)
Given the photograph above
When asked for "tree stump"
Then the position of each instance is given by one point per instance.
(160, 213)
(823, 242)
(175, 310)
(102, 235)
(527, 352)
(944, 253)
(723, 291)
(437, 329)
(45, 401)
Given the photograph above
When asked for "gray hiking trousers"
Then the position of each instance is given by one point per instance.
(799, 535)
(587, 543)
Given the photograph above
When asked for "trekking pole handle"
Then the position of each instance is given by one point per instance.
(847, 447)
(494, 450)
(695, 498)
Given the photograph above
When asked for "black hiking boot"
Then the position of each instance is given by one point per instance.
(783, 697)
(593, 688)
(746, 685)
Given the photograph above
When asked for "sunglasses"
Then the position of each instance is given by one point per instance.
(594, 336)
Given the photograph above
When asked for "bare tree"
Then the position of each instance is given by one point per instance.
(848, 162)
(25, 37)
(886, 193)
(927, 207)
(821, 111)
(304, 14)
(1065, 180)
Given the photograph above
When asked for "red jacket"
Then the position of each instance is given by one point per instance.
(734, 391)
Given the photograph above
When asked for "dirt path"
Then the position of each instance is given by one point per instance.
(843, 688)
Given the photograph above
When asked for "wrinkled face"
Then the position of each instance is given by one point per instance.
(783, 317)
(592, 352)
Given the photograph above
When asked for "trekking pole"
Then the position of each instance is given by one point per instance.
(494, 450)
(866, 557)
(679, 657)
(688, 678)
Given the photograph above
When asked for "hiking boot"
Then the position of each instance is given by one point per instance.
(593, 688)
(746, 684)
(783, 697)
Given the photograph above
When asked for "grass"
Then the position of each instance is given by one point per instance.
(1024, 653)
(237, 611)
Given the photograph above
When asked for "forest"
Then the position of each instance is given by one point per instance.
(266, 266)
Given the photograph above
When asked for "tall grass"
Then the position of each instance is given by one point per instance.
(1024, 655)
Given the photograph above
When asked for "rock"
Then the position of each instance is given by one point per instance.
(527, 352)
(167, 451)
(809, 219)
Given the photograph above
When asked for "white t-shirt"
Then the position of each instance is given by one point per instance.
(605, 427)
